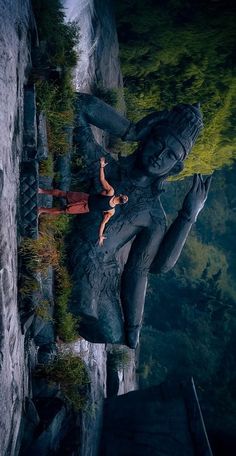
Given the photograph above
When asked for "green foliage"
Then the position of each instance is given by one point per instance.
(46, 167)
(57, 105)
(40, 253)
(165, 61)
(28, 285)
(119, 358)
(56, 98)
(70, 372)
(109, 96)
(61, 37)
(121, 148)
(43, 310)
(66, 324)
(58, 226)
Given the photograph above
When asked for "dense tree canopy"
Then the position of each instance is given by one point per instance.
(177, 51)
(180, 51)
(190, 315)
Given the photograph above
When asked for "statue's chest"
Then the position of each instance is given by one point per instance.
(140, 207)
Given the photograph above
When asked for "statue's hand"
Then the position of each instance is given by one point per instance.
(196, 197)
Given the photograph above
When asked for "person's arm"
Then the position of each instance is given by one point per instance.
(102, 226)
(108, 189)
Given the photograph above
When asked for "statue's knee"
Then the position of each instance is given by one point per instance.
(132, 336)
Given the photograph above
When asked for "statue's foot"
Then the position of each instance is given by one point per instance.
(132, 336)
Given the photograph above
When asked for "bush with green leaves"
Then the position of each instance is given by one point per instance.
(69, 371)
(119, 358)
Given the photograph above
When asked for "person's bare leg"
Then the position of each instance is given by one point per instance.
(50, 210)
(53, 192)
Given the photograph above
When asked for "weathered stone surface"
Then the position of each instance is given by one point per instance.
(30, 124)
(42, 148)
(27, 320)
(46, 335)
(30, 421)
(42, 388)
(28, 199)
(52, 415)
(47, 353)
(14, 67)
(159, 421)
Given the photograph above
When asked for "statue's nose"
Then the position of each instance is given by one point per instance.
(160, 154)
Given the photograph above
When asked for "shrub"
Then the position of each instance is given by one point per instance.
(70, 372)
(109, 96)
(43, 310)
(57, 104)
(40, 253)
(28, 285)
(57, 226)
(61, 37)
(119, 358)
(46, 167)
(66, 323)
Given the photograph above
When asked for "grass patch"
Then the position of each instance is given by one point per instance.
(57, 103)
(53, 71)
(28, 286)
(109, 96)
(46, 167)
(40, 253)
(70, 372)
(57, 226)
(43, 310)
(66, 324)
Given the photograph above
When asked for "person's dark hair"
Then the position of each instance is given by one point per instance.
(122, 199)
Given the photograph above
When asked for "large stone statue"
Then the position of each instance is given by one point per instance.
(110, 281)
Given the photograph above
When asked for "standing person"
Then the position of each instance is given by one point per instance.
(81, 203)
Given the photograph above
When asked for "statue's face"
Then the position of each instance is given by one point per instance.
(161, 152)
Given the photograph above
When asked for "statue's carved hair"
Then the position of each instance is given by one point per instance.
(184, 121)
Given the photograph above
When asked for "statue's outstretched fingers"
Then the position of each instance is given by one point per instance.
(195, 182)
(208, 184)
(198, 186)
(202, 183)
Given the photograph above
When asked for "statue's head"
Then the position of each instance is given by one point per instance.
(167, 137)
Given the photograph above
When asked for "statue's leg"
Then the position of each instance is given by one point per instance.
(103, 116)
(87, 146)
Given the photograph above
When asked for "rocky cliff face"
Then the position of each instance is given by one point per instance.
(98, 49)
(15, 25)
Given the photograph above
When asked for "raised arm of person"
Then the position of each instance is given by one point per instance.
(108, 189)
(105, 220)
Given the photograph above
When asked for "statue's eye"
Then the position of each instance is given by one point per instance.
(158, 144)
(171, 154)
